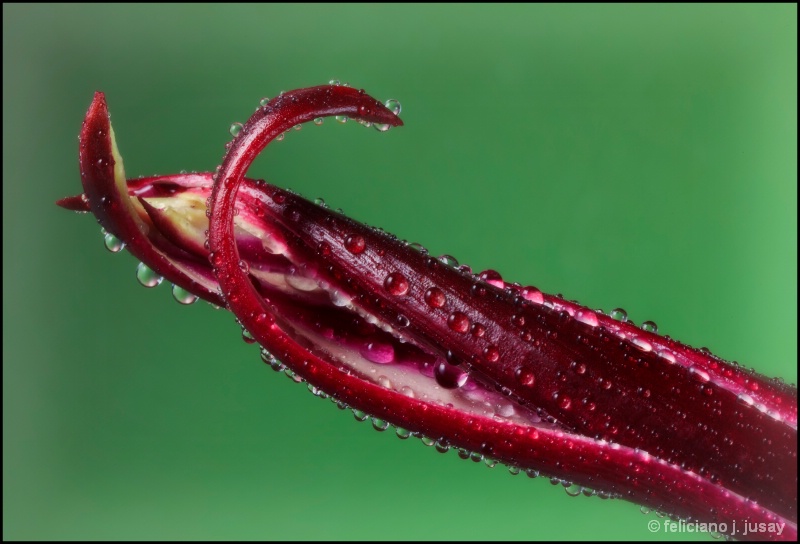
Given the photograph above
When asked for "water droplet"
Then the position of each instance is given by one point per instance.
(491, 353)
(320, 202)
(280, 137)
(449, 376)
(147, 277)
(644, 510)
(335, 82)
(458, 322)
(379, 424)
(378, 352)
(402, 434)
(435, 297)
(355, 244)
(298, 127)
(341, 118)
(393, 106)
(513, 470)
(359, 415)
(573, 490)
(112, 243)
(182, 295)
(396, 284)
(492, 277)
(618, 314)
(417, 247)
(525, 376)
(247, 337)
(427, 441)
(587, 316)
(449, 260)
(532, 294)
(518, 320)
(381, 127)
(650, 326)
(477, 330)
(264, 101)
(236, 128)
(532, 473)
(318, 121)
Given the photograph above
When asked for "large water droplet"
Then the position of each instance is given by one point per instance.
(378, 352)
(182, 295)
(379, 424)
(449, 376)
(393, 106)
(449, 260)
(525, 376)
(318, 121)
(435, 297)
(147, 277)
(355, 244)
(532, 294)
(618, 314)
(396, 284)
(263, 102)
(492, 277)
(341, 118)
(236, 128)
(112, 243)
(650, 326)
(458, 322)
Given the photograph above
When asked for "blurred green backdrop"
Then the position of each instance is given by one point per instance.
(632, 156)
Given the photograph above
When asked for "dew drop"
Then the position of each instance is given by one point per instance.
(573, 490)
(379, 424)
(355, 244)
(618, 314)
(320, 202)
(587, 316)
(263, 102)
(359, 415)
(393, 106)
(182, 295)
(441, 446)
(477, 330)
(417, 247)
(402, 321)
(458, 322)
(318, 121)
(449, 376)
(435, 297)
(532, 294)
(650, 326)
(378, 352)
(147, 277)
(112, 243)
(247, 337)
(235, 129)
(525, 376)
(341, 118)
(402, 434)
(491, 353)
(492, 277)
(513, 470)
(449, 260)
(396, 284)
(334, 82)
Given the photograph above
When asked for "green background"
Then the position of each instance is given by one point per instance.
(630, 156)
